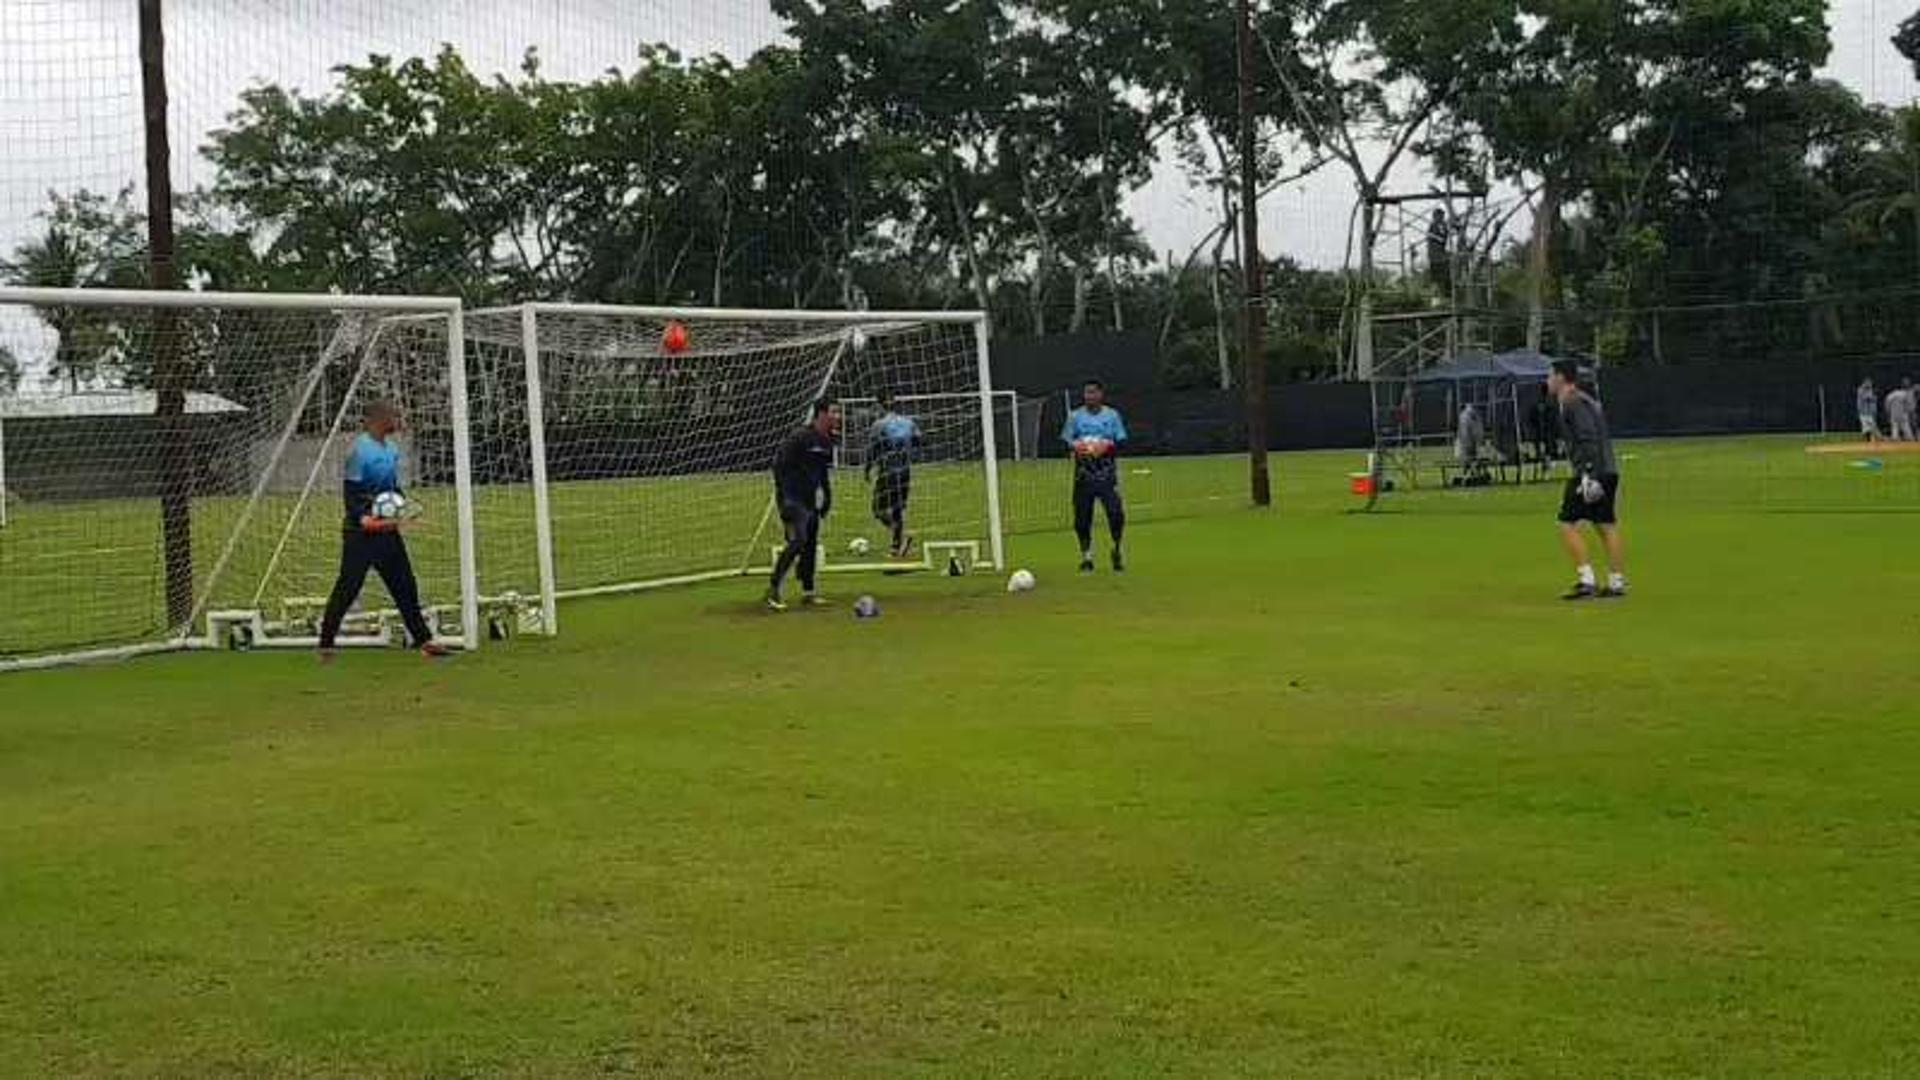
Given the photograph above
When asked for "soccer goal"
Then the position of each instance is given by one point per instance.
(633, 450)
(172, 466)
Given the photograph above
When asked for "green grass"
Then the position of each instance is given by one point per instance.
(89, 574)
(1306, 794)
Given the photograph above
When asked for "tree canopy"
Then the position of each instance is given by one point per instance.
(986, 152)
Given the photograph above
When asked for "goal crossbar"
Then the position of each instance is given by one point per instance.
(188, 299)
(772, 315)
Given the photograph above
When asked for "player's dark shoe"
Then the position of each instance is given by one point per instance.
(1580, 591)
(814, 601)
(327, 656)
(1119, 562)
(774, 603)
(433, 650)
(1611, 593)
(1086, 564)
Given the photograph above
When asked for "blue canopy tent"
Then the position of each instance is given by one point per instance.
(1513, 365)
(1418, 420)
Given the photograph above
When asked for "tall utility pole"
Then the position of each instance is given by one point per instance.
(170, 384)
(1253, 311)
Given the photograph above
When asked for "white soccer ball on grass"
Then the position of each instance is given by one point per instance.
(1021, 581)
(859, 546)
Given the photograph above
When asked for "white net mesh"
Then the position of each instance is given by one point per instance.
(70, 93)
(1016, 423)
(248, 453)
(658, 460)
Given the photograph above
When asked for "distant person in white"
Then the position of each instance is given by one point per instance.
(1900, 409)
(1470, 435)
(1867, 404)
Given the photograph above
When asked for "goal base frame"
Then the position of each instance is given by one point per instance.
(926, 562)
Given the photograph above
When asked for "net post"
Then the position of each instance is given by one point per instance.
(537, 447)
(463, 477)
(3, 468)
(989, 451)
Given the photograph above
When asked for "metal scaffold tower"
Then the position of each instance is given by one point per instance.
(1426, 333)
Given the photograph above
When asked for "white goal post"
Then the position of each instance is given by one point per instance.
(172, 466)
(614, 458)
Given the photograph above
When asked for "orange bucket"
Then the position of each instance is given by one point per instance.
(1360, 484)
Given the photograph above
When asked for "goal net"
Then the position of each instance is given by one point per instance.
(1016, 423)
(639, 464)
(171, 465)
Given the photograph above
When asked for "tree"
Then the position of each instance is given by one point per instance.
(820, 184)
(1176, 65)
(1882, 179)
(89, 241)
(1644, 120)
(1363, 79)
(680, 181)
(1078, 139)
(930, 77)
(1907, 40)
(1549, 115)
(396, 182)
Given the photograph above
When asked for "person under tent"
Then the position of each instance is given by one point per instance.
(1867, 405)
(1900, 412)
(1470, 438)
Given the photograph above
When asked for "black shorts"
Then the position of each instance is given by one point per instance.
(890, 490)
(1574, 509)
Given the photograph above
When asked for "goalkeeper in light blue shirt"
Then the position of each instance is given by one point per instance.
(371, 539)
(891, 445)
(1094, 433)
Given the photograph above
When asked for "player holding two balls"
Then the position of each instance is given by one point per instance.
(1095, 432)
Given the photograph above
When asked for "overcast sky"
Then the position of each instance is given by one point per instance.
(70, 100)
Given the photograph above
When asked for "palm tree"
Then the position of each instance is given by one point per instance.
(90, 242)
(1894, 174)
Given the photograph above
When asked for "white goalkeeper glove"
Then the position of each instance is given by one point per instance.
(1591, 490)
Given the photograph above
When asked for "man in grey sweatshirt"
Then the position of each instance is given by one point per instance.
(1592, 493)
(1900, 412)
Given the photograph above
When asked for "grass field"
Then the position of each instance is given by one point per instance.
(87, 574)
(1305, 794)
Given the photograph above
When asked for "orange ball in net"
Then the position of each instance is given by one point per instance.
(674, 338)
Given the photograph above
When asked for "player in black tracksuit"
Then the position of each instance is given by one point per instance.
(1593, 492)
(803, 491)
